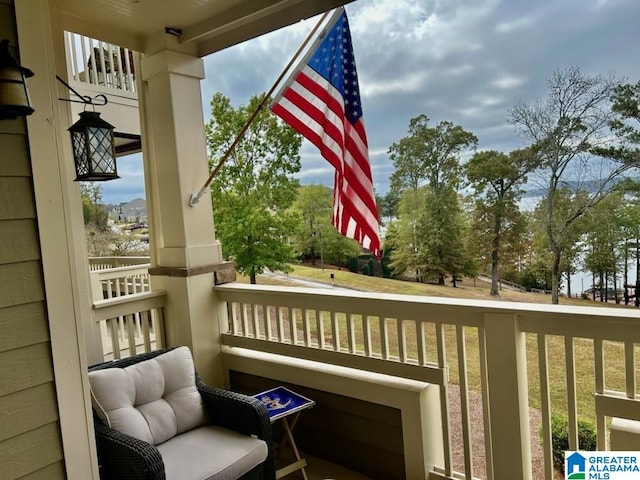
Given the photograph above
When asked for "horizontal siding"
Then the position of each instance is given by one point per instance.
(27, 409)
(19, 241)
(23, 325)
(25, 368)
(30, 440)
(31, 451)
(16, 197)
(55, 471)
(21, 283)
(15, 151)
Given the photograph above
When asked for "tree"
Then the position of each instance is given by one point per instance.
(571, 131)
(404, 238)
(626, 105)
(315, 234)
(388, 205)
(254, 189)
(567, 235)
(427, 174)
(497, 180)
(94, 213)
(429, 154)
(603, 240)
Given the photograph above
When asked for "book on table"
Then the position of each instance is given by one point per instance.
(280, 402)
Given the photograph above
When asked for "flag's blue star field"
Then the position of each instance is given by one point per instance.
(334, 60)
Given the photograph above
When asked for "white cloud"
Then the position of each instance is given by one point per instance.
(507, 82)
(509, 26)
(411, 83)
(466, 61)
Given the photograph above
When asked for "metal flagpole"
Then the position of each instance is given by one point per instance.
(195, 197)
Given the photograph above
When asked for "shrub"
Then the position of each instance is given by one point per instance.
(353, 264)
(560, 438)
(365, 270)
(372, 266)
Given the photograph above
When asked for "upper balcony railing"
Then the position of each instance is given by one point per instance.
(98, 63)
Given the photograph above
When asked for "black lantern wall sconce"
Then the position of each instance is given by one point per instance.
(92, 139)
(14, 96)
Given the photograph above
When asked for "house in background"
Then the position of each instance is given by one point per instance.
(134, 211)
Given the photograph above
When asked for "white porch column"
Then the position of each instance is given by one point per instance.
(184, 250)
(508, 397)
(61, 226)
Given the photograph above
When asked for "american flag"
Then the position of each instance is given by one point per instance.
(321, 100)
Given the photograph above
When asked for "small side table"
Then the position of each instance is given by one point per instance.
(281, 403)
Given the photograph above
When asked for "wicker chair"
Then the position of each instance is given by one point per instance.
(122, 456)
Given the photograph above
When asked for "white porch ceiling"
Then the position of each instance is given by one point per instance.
(208, 25)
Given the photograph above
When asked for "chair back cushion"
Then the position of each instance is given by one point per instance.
(152, 400)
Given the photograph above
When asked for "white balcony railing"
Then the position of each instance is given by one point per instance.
(510, 354)
(505, 356)
(129, 316)
(99, 63)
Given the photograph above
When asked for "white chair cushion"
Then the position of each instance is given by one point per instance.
(153, 400)
(210, 452)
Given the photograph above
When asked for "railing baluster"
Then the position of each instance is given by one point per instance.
(293, 326)
(351, 334)
(146, 336)
(630, 369)
(232, 318)
(102, 62)
(598, 358)
(157, 321)
(402, 340)
(136, 288)
(115, 341)
(88, 59)
(280, 324)
(384, 338)
(114, 285)
(266, 310)
(335, 332)
(545, 403)
(131, 333)
(131, 84)
(570, 361)
(306, 327)
(444, 399)
(464, 402)
(118, 60)
(245, 319)
(422, 346)
(256, 320)
(486, 407)
(366, 332)
(320, 329)
(70, 56)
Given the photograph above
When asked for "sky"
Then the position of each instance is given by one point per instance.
(464, 61)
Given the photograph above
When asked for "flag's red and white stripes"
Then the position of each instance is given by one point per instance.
(313, 107)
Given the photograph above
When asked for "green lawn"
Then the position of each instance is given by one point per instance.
(478, 289)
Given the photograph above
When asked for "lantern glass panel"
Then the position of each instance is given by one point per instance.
(101, 142)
